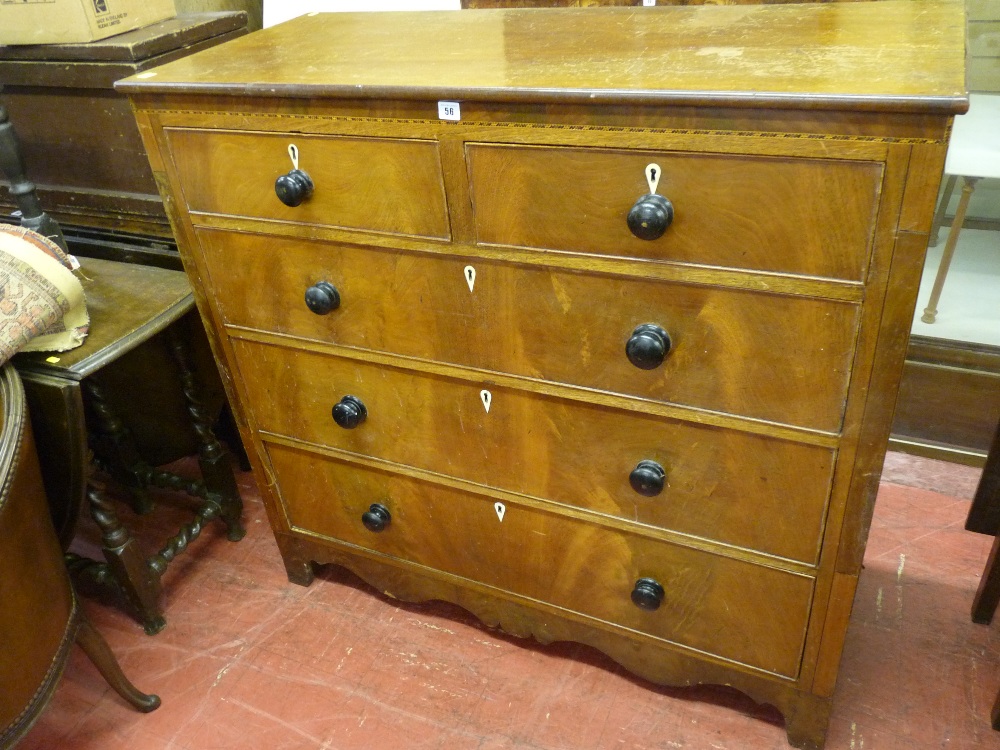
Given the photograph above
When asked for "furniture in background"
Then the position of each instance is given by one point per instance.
(136, 359)
(80, 137)
(12, 167)
(491, 4)
(973, 154)
(40, 618)
(89, 164)
(77, 399)
(522, 330)
(253, 8)
(984, 518)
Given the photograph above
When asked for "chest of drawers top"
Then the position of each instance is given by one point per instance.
(887, 56)
(590, 321)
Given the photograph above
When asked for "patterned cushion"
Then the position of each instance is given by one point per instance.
(42, 305)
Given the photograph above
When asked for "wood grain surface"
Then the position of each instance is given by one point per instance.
(737, 352)
(713, 603)
(801, 145)
(828, 55)
(386, 185)
(801, 216)
(553, 449)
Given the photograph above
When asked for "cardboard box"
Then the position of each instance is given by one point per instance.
(64, 21)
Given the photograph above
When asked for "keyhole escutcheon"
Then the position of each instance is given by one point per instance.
(653, 173)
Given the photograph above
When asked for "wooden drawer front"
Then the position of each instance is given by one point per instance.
(739, 352)
(801, 216)
(550, 448)
(712, 603)
(378, 184)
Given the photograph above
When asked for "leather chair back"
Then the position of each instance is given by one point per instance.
(37, 606)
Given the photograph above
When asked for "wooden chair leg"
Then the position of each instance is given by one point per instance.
(949, 189)
(984, 606)
(984, 515)
(930, 312)
(97, 650)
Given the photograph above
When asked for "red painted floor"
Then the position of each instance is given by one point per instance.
(249, 661)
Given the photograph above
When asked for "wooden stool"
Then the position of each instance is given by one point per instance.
(973, 153)
(40, 619)
(984, 517)
(141, 321)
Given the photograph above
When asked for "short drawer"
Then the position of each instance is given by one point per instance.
(812, 217)
(386, 185)
(569, 452)
(715, 604)
(744, 353)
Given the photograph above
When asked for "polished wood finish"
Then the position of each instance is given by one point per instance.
(711, 490)
(361, 183)
(748, 613)
(729, 346)
(132, 302)
(464, 423)
(604, 56)
(57, 411)
(810, 217)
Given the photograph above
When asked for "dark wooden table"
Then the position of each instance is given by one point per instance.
(128, 400)
(128, 305)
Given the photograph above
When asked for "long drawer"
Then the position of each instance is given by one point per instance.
(391, 186)
(745, 353)
(739, 611)
(571, 453)
(802, 216)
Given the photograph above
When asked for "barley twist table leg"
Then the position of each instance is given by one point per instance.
(213, 459)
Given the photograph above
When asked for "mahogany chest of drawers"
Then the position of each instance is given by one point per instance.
(590, 321)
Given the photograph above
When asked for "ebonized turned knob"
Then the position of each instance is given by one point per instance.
(376, 518)
(349, 412)
(647, 478)
(293, 188)
(648, 346)
(647, 594)
(322, 297)
(649, 218)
